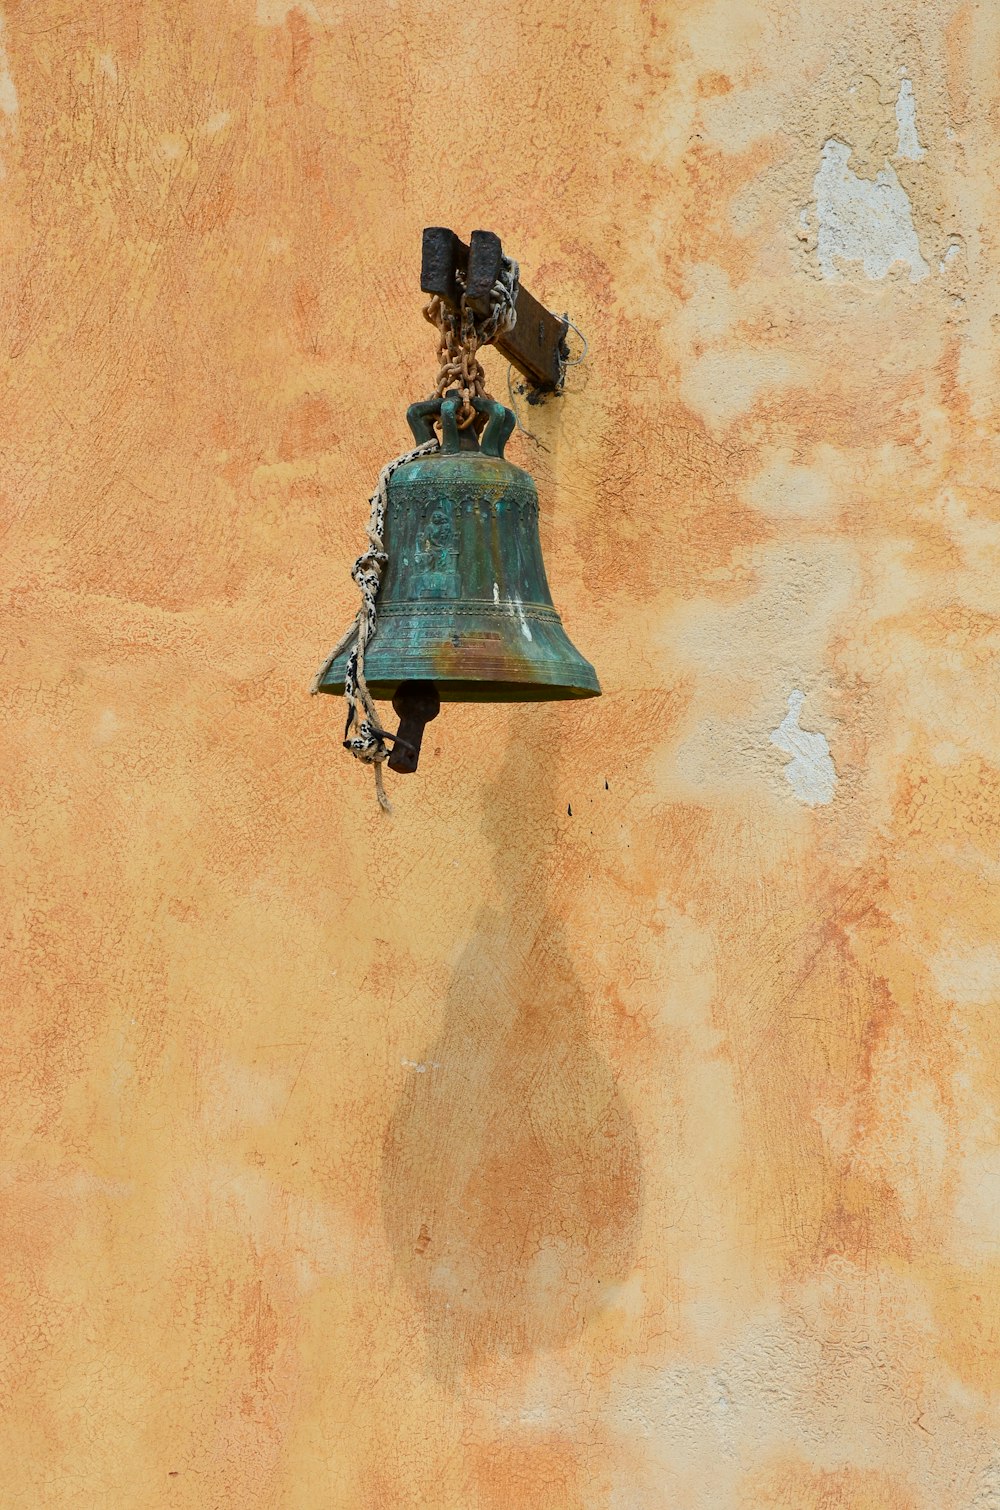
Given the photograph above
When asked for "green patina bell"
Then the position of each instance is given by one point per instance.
(464, 602)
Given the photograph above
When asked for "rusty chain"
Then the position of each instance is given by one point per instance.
(461, 333)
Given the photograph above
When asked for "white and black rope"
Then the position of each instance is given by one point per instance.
(363, 733)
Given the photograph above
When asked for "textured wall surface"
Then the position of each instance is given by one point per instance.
(616, 1127)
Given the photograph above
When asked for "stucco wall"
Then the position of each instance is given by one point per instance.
(493, 1157)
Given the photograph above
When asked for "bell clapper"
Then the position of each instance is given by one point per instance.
(416, 703)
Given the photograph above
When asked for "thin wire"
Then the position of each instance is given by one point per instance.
(586, 344)
(565, 362)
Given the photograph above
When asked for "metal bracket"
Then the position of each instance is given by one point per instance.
(537, 344)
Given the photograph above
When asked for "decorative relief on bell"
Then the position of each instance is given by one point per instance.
(437, 555)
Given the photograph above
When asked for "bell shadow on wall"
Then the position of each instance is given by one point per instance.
(511, 1174)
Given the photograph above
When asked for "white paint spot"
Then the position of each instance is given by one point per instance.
(863, 220)
(421, 1069)
(216, 122)
(517, 608)
(954, 250)
(771, 1363)
(172, 146)
(906, 121)
(810, 772)
(107, 726)
(8, 94)
(769, 641)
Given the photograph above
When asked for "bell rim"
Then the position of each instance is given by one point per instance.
(470, 690)
(559, 673)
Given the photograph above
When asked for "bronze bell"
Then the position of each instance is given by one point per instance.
(464, 606)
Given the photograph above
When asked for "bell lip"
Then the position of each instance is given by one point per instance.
(501, 676)
(483, 689)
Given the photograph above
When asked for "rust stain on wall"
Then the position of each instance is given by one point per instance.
(616, 1128)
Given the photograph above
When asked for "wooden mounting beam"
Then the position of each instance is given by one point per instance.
(537, 344)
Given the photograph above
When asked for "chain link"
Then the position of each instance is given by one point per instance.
(461, 333)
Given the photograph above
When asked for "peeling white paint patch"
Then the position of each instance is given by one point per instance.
(863, 220)
(774, 1371)
(906, 122)
(988, 1487)
(810, 773)
(496, 593)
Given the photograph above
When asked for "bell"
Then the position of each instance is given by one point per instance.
(464, 603)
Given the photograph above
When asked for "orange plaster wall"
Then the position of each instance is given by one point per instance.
(494, 1157)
